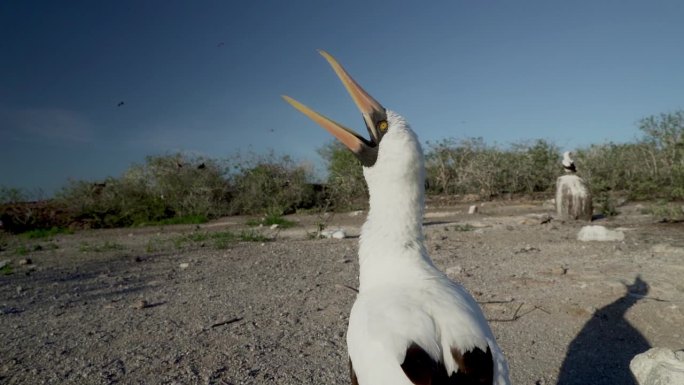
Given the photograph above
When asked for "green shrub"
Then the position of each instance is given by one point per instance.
(271, 185)
(345, 187)
(46, 233)
(470, 166)
(165, 188)
(270, 220)
(666, 212)
(19, 217)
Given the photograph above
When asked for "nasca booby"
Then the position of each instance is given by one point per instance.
(410, 323)
(568, 163)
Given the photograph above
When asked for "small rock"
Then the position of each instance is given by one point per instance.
(599, 233)
(454, 270)
(274, 226)
(559, 270)
(140, 304)
(25, 261)
(527, 249)
(184, 265)
(355, 213)
(4, 263)
(545, 218)
(472, 209)
(339, 234)
(658, 366)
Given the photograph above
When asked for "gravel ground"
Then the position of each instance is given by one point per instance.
(187, 305)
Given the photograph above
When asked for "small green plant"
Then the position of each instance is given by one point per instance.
(154, 245)
(464, 227)
(606, 205)
(224, 238)
(666, 212)
(270, 220)
(46, 233)
(21, 250)
(7, 270)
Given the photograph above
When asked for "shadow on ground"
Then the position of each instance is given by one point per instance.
(601, 352)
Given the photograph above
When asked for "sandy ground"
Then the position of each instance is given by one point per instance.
(181, 305)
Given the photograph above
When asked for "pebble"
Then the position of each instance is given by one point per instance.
(184, 265)
(599, 233)
(472, 209)
(140, 304)
(274, 226)
(455, 270)
(25, 261)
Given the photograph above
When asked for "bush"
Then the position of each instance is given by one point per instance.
(164, 187)
(270, 185)
(20, 217)
(345, 187)
(652, 167)
(472, 167)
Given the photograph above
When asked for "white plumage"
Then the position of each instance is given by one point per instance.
(410, 324)
(568, 163)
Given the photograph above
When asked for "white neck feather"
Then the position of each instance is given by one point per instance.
(392, 243)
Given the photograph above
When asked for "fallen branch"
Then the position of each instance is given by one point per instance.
(228, 322)
(347, 287)
(517, 316)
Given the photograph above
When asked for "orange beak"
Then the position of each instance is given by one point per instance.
(373, 114)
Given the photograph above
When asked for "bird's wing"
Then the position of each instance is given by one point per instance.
(414, 338)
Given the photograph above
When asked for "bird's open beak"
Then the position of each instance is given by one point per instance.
(374, 115)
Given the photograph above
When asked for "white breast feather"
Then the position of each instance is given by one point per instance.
(403, 298)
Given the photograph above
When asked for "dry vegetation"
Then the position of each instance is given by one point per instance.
(181, 189)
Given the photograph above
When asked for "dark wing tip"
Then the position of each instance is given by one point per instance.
(474, 367)
(420, 368)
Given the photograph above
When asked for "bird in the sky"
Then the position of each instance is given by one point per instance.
(568, 163)
(410, 323)
(120, 104)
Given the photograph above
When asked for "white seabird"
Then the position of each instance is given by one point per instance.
(410, 323)
(568, 163)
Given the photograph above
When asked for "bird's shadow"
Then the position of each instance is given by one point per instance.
(601, 352)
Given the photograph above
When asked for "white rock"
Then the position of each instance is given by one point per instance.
(333, 233)
(573, 199)
(658, 366)
(4, 263)
(599, 233)
(472, 209)
(454, 270)
(184, 265)
(355, 213)
(274, 226)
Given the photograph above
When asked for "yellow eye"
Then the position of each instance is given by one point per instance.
(382, 125)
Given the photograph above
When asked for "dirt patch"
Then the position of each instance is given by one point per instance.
(190, 305)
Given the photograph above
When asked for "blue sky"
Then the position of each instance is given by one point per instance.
(205, 78)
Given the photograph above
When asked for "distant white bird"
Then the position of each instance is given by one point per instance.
(568, 163)
(410, 323)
